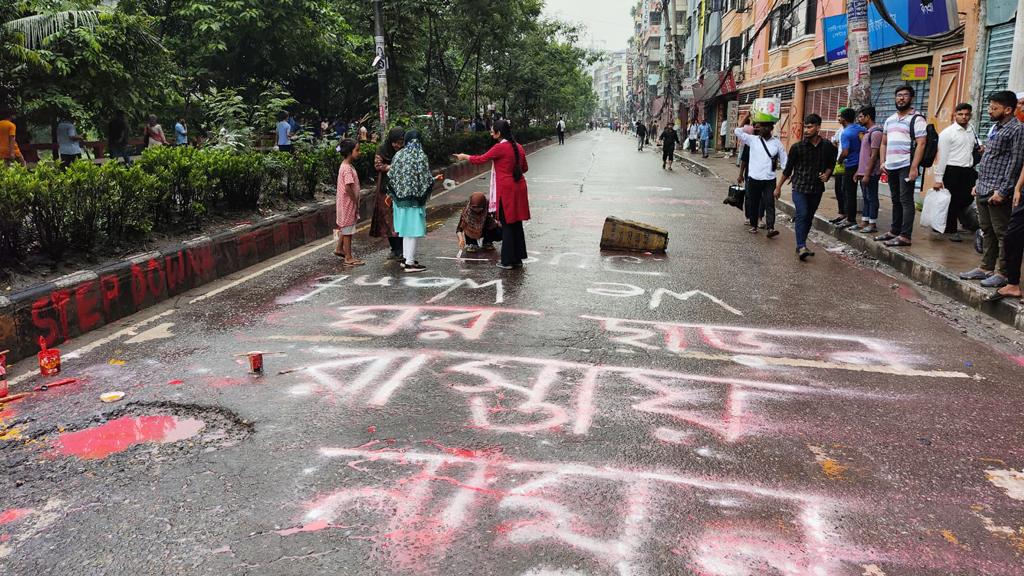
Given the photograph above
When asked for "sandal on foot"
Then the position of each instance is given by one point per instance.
(885, 237)
(897, 242)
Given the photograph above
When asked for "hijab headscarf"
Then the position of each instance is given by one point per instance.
(387, 151)
(410, 181)
(475, 218)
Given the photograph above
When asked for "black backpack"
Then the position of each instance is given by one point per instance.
(931, 143)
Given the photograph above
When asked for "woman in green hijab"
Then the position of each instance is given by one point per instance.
(410, 184)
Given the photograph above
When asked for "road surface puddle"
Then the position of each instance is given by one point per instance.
(123, 433)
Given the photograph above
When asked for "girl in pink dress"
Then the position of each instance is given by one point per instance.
(347, 202)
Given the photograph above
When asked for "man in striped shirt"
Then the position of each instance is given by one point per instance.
(903, 142)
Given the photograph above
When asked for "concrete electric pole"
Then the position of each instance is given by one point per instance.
(858, 54)
(380, 62)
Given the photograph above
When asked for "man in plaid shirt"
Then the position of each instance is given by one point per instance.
(997, 175)
(809, 166)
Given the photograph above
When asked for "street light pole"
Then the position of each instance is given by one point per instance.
(381, 63)
(858, 54)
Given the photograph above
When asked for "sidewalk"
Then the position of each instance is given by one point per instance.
(933, 260)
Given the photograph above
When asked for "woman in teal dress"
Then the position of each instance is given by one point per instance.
(410, 184)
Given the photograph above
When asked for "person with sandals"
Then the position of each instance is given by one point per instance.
(903, 142)
(347, 202)
(1014, 243)
(766, 156)
(410, 184)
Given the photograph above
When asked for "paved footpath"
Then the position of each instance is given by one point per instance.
(720, 410)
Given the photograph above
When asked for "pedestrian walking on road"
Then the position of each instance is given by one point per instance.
(560, 128)
(513, 203)
(477, 225)
(704, 133)
(692, 136)
(668, 140)
(347, 202)
(998, 173)
(723, 133)
(1014, 241)
(809, 166)
(869, 168)
(954, 168)
(850, 158)
(383, 225)
(284, 132)
(903, 143)
(410, 184)
(641, 135)
(766, 156)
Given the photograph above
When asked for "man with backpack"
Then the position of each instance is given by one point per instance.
(560, 128)
(997, 176)
(904, 140)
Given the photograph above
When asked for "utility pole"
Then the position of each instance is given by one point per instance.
(381, 63)
(858, 53)
(1016, 81)
(978, 62)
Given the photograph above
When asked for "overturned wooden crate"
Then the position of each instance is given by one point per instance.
(633, 236)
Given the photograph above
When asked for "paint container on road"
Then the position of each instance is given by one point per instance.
(49, 359)
(256, 362)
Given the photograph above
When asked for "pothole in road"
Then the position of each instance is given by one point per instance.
(142, 430)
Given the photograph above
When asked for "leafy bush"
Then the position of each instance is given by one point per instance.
(18, 187)
(128, 201)
(52, 211)
(187, 191)
(239, 177)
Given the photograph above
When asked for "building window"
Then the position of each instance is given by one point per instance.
(654, 42)
(782, 28)
(804, 17)
(655, 18)
(811, 17)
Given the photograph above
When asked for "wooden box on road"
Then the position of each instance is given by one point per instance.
(633, 236)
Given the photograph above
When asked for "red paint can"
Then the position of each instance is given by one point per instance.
(256, 363)
(49, 359)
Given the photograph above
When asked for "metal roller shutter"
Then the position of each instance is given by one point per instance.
(997, 68)
(884, 83)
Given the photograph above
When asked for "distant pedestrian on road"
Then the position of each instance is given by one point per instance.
(477, 225)
(383, 223)
(410, 183)
(809, 166)
(347, 202)
(850, 158)
(692, 136)
(869, 168)
(513, 201)
(668, 140)
(652, 132)
(903, 147)
(117, 137)
(560, 128)
(766, 156)
(284, 132)
(723, 133)
(10, 152)
(641, 135)
(69, 142)
(704, 133)
(998, 173)
(954, 167)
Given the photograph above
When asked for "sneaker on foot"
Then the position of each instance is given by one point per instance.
(488, 247)
(772, 232)
(955, 237)
(393, 257)
(414, 267)
(804, 253)
(471, 248)
(975, 274)
(753, 230)
(994, 281)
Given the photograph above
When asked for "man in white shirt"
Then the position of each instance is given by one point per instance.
(954, 167)
(560, 128)
(723, 131)
(68, 142)
(767, 155)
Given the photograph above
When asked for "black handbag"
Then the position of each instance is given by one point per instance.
(736, 196)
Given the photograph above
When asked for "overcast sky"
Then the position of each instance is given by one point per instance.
(607, 21)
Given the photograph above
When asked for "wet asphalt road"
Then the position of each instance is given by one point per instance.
(720, 410)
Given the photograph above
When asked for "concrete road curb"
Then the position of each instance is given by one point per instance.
(927, 273)
(73, 305)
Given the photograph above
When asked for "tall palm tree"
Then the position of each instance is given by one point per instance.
(35, 29)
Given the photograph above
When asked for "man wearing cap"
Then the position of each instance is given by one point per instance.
(766, 156)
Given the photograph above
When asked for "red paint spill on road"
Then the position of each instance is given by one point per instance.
(1018, 359)
(175, 383)
(311, 527)
(8, 413)
(14, 514)
(121, 434)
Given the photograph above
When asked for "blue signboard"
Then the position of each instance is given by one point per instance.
(914, 16)
(835, 37)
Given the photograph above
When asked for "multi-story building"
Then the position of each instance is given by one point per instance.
(610, 77)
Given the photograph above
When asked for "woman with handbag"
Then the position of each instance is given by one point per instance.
(513, 203)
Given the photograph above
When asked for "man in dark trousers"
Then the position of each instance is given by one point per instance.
(809, 166)
(641, 135)
(560, 128)
(766, 156)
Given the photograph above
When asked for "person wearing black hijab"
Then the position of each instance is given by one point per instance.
(382, 225)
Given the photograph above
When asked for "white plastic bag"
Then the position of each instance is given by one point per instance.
(936, 206)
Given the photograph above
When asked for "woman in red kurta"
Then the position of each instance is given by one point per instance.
(513, 203)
